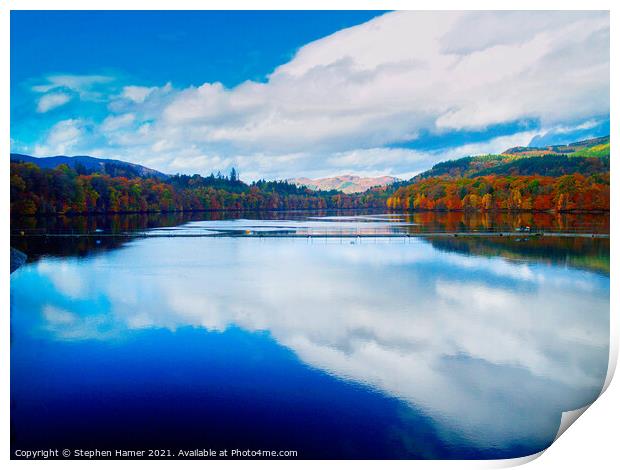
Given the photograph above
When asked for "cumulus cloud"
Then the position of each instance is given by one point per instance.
(62, 138)
(386, 80)
(351, 95)
(51, 101)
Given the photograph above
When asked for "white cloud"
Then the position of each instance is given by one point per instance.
(584, 126)
(113, 123)
(408, 163)
(385, 80)
(51, 101)
(81, 84)
(62, 138)
(343, 98)
(137, 94)
(73, 82)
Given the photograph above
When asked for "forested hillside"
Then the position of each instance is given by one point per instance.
(588, 157)
(62, 190)
(573, 192)
(573, 177)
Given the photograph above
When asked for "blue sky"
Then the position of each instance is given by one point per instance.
(283, 94)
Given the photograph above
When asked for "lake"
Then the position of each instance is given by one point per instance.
(153, 336)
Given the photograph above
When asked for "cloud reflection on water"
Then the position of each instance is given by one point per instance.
(491, 350)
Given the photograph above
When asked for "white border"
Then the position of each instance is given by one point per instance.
(593, 442)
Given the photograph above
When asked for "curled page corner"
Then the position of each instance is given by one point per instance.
(516, 462)
(568, 418)
(613, 361)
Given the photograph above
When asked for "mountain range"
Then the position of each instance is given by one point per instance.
(585, 157)
(348, 184)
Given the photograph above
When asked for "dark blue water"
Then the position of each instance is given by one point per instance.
(353, 348)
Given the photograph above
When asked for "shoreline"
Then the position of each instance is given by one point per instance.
(386, 210)
(507, 234)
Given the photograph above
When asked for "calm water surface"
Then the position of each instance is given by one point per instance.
(337, 348)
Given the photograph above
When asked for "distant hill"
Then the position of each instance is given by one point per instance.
(586, 157)
(574, 148)
(87, 165)
(348, 184)
(572, 177)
